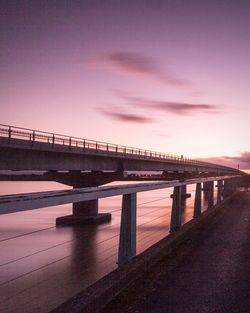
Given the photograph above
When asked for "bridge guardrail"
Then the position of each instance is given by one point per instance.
(33, 136)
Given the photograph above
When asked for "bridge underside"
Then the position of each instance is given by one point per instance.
(80, 179)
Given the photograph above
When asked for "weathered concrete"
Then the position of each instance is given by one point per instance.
(84, 212)
(184, 193)
(127, 244)
(197, 201)
(211, 194)
(175, 223)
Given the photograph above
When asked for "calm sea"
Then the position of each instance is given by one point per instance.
(42, 265)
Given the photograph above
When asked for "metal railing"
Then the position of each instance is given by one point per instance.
(226, 185)
(36, 136)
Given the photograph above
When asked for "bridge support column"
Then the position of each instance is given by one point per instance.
(205, 187)
(197, 201)
(210, 195)
(219, 191)
(184, 193)
(85, 212)
(127, 243)
(176, 210)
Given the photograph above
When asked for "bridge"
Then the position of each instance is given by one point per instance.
(86, 165)
(80, 163)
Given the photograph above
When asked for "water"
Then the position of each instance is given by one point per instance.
(42, 265)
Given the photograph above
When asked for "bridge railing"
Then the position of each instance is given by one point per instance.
(35, 136)
(226, 186)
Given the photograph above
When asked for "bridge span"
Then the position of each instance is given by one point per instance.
(25, 149)
(80, 163)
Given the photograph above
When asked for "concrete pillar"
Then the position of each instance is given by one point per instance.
(176, 210)
(219, 191)
(206, 186)
(184, 193)
(85, 212)
(85, 208)
(197, 201)
(211, 195)
(127, 242)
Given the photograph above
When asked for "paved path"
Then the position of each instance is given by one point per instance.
(211, 275)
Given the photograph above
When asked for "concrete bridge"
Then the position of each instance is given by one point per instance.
(80, 163)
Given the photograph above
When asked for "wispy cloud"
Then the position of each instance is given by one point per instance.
(179, 108)
(243, 160)
(160, 134)
(131, 63)
(141, 110)
(119, 115)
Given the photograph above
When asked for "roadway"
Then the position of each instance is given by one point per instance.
(209, 274)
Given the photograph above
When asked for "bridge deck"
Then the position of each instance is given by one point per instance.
(210, 274)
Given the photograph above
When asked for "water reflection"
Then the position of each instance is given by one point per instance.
(83, 251)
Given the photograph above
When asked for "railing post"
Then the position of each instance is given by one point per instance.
(69, 143)
(176, 210)
(33, 136)
(197, 201)
(9, 132)
(127, 243)
(219, 190)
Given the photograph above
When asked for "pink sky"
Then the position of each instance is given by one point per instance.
(170, 76)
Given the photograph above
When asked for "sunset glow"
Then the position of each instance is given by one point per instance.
(169, 76)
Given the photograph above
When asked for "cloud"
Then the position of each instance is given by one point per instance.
(131, 63)
(160, 134)
(243, 160)
(179, 108)
(118, 115)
